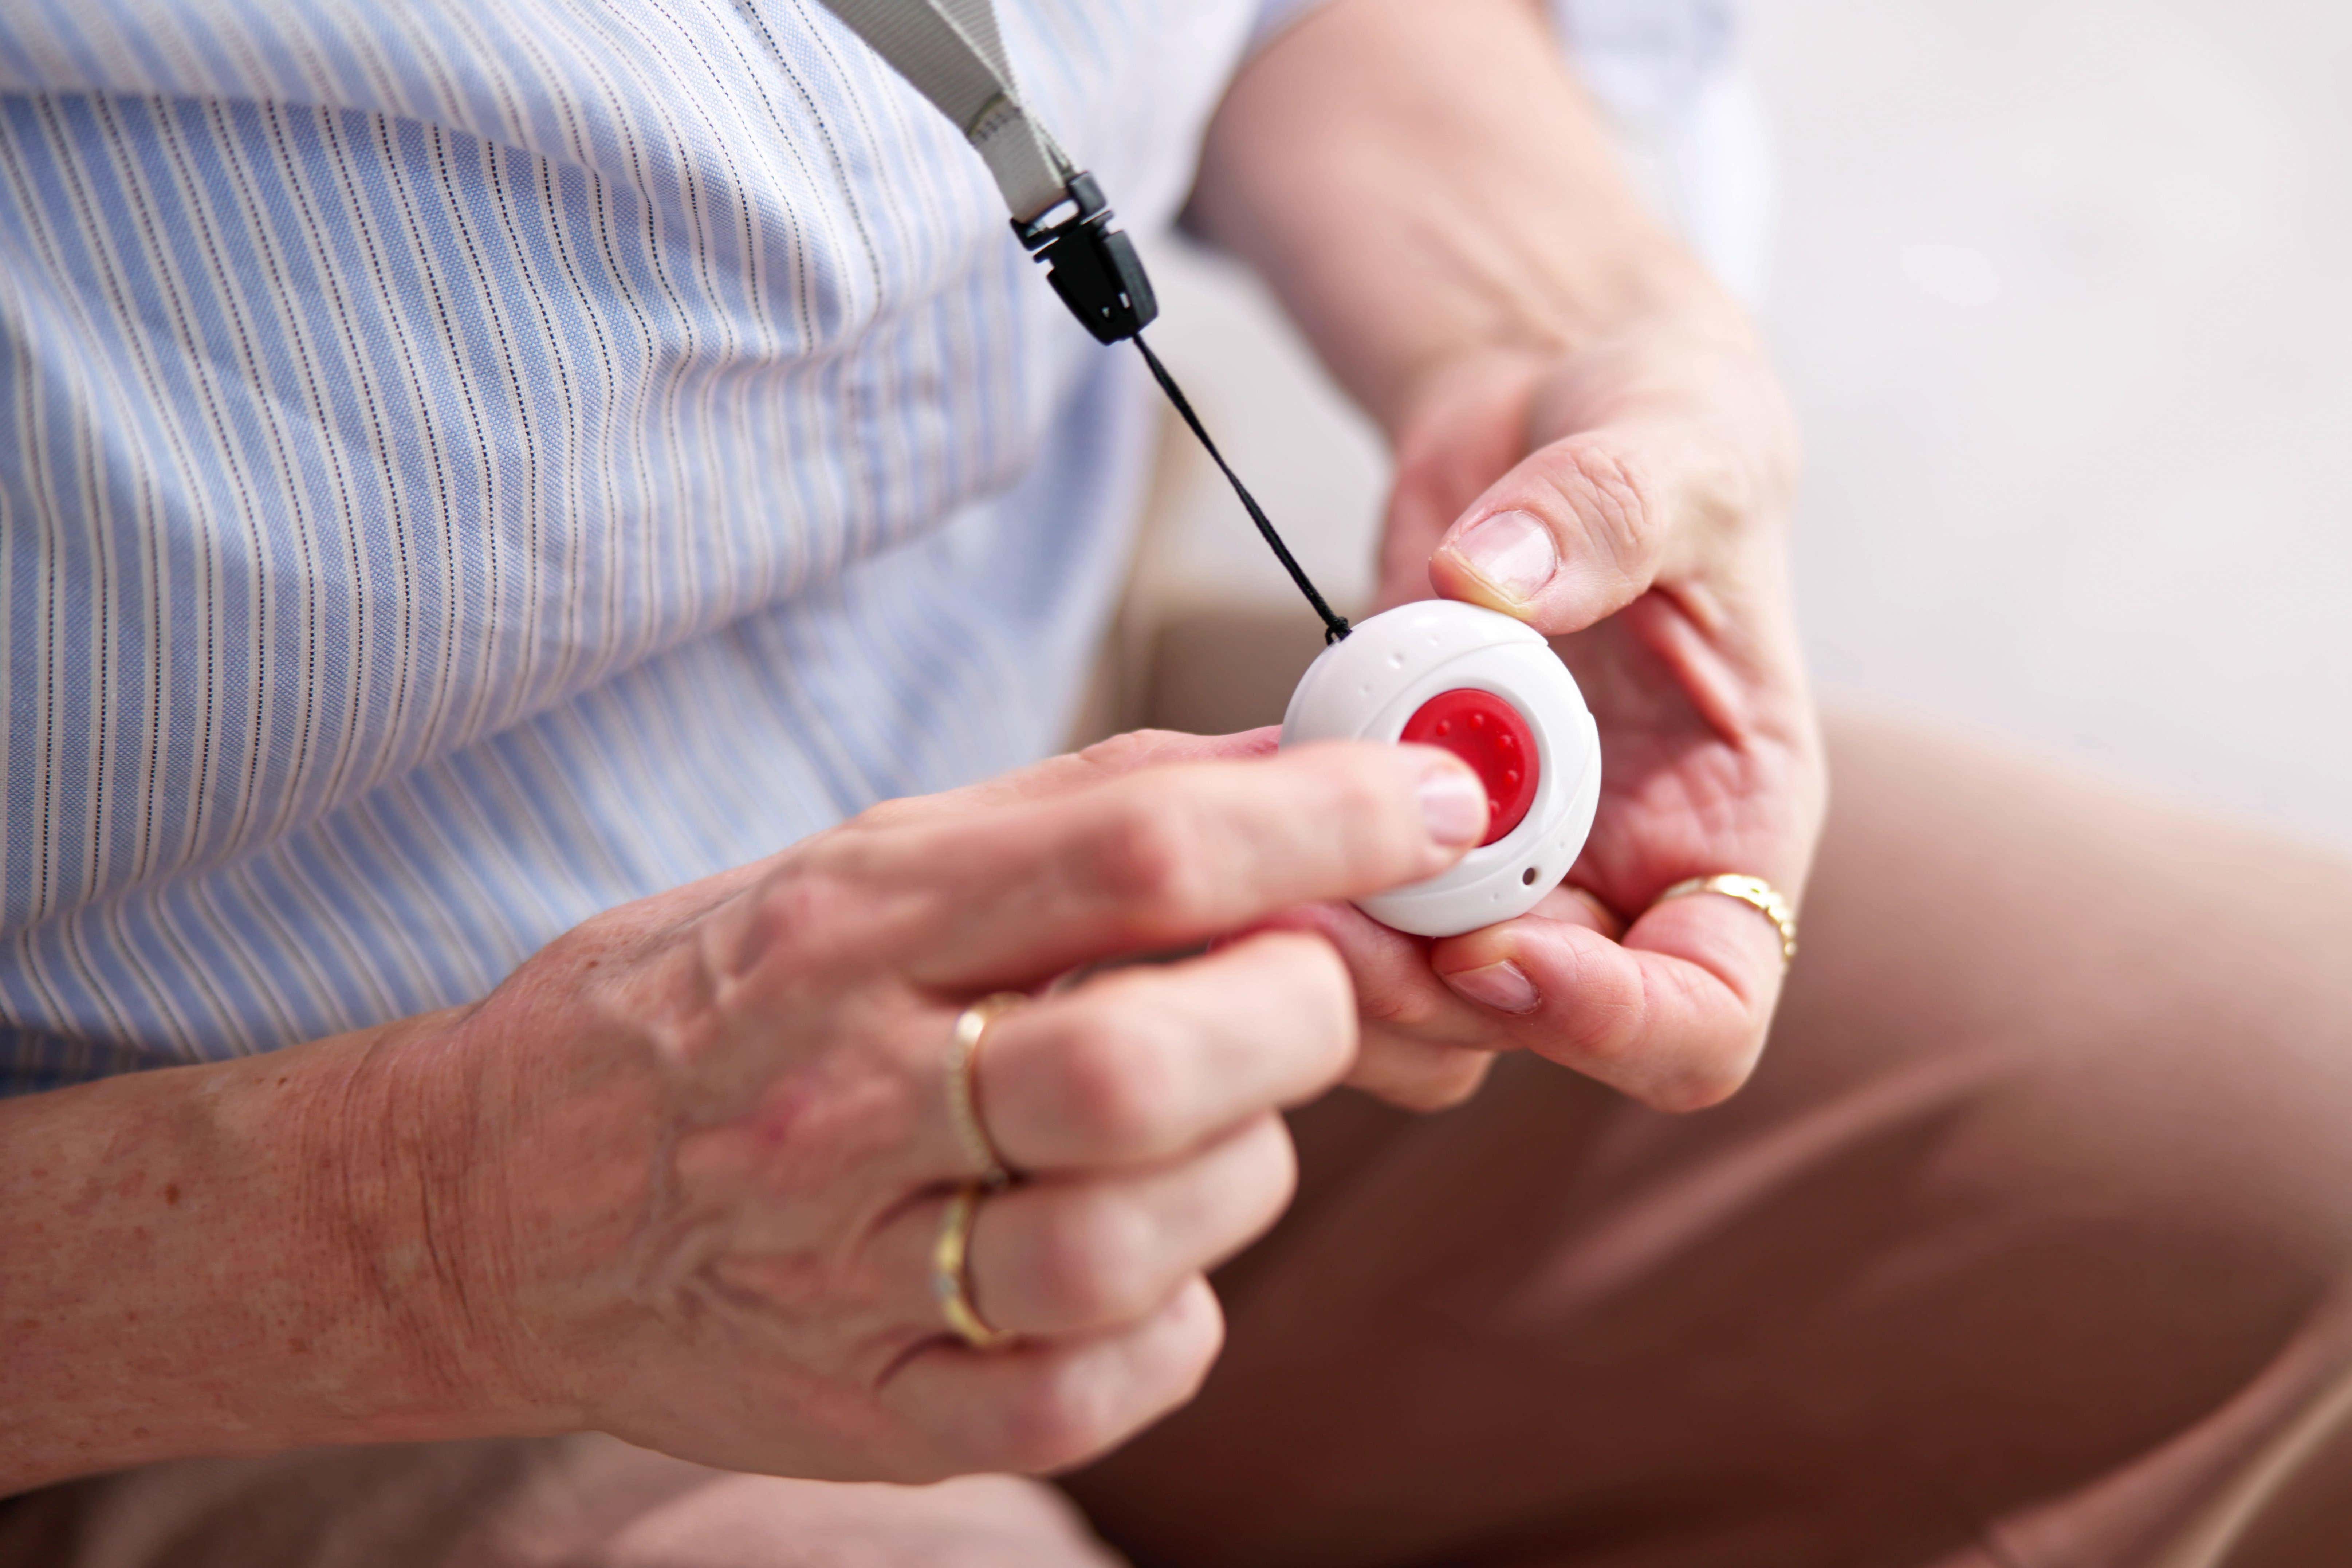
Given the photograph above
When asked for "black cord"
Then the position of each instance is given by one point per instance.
(1335, 626)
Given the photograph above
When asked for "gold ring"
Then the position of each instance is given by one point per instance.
(950, 1271)
(963, 1095)
(1755, 892)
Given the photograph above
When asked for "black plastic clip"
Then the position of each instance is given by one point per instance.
(1092, 266)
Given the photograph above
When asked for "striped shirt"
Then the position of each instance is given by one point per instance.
(465, 464)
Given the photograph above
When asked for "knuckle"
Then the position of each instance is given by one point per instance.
(1405, 1010)
(1313, 972)
(1331, 1022)
(1200, 1338)
(1611, 497)
(806, 915)
(1071, 1408)
(1440, 1082)
(1147, 860)
(801, 913)
(1352, 789)
(1275, 1183)
(1122, 752)
(1310, 999)
(1057, 1419)
(1091, 1262)
(1374, 812)
(1118, 1081)
(1605, 1031)
(884, 814)
(1709, 1080)
(1607, 1049)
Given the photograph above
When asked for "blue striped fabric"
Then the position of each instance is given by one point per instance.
(467, 463)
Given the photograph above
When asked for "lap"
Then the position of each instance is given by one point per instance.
(574, 1502)
(2027, 1239)
(2026, 1245)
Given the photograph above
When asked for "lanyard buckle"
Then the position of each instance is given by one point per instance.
(1092, 266)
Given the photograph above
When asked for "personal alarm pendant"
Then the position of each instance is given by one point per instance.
(1490, 690)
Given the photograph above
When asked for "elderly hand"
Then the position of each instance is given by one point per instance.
(1631, 498)
(686, 1169)
(1586, 438)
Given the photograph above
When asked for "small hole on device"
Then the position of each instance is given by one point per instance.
(1527, 878)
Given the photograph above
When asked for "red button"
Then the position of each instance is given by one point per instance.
(1486, 732)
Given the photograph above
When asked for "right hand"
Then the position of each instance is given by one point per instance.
(685, 1169)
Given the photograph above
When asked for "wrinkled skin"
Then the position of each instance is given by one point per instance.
(704, 1144)
(1655, 471)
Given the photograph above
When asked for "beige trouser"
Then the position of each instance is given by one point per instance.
(2030, 1246)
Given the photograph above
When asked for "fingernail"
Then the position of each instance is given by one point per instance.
(1511, 552)
(1502, 986)
(1452, 805)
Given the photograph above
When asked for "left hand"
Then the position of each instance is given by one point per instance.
(1629, 497)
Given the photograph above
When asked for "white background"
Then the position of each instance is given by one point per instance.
(2063, 289)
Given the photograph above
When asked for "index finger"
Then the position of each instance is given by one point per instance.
(1073, 771)
(1171, 855)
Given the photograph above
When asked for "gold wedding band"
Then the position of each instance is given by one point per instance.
(963, 1096)
(952, 1253)
(951, 1270)
(1755, 892)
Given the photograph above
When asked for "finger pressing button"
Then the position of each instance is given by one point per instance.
(1490, 735)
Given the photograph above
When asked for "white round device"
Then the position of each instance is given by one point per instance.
(1489, 690)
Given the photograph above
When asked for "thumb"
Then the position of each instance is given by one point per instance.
(1574, 533)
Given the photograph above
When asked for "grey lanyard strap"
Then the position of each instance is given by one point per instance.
(952, 52)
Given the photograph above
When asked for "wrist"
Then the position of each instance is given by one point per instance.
(244, 1257)
(1421, 182)
(1506, 358)
(377, 1143)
